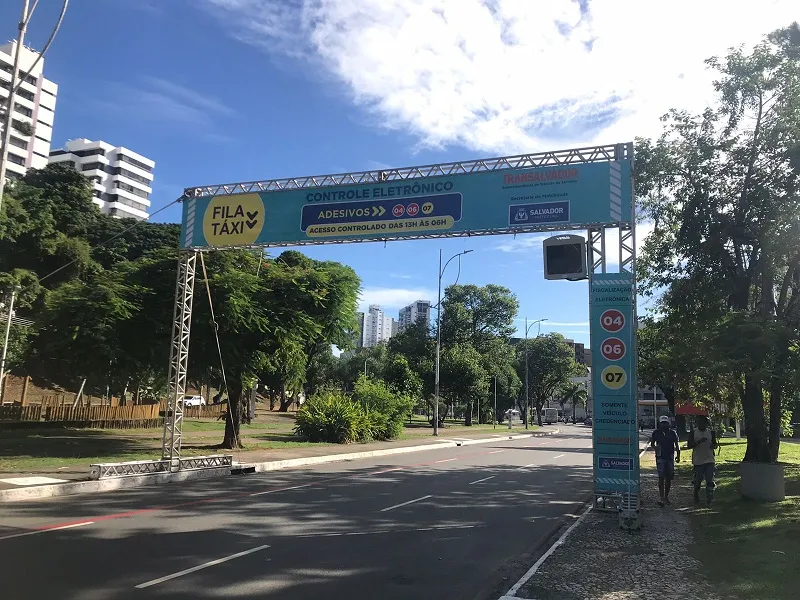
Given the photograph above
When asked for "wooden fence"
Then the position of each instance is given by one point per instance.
(120, 417)
(209, 411)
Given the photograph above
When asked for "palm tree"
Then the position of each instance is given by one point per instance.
(576, 394)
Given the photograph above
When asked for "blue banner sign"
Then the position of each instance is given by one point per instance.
(424, 213)
(544, 212)
(615, 427)
(487, 202)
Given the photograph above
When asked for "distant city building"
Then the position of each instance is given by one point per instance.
(376, 327)
(121, 178)
(421, 309)
(32, 114)
(580, 352)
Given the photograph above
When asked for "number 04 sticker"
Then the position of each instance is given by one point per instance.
(614, 377)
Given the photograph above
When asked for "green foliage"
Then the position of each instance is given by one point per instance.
(477, 315)
(722, 191)
(334, 417)
(551, 365)
(385, 408)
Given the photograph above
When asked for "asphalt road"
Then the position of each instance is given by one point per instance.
(461, 523)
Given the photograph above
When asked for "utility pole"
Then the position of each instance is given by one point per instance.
(439, 336)
(5, 343)
(539, 331)
(25, 18)
(494, 421)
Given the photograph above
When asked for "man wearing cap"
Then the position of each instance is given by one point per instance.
(702, 442)
(668, 450)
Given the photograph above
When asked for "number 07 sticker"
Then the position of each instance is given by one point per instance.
(614, 377)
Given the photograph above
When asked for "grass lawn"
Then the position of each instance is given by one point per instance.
(749, 549)
(41, 449)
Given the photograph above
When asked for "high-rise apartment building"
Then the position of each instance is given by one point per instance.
(32, 114)
(122, 179)
(376, 327)
(421, 309)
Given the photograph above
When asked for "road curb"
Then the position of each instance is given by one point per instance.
(119, 483)
(39, 492)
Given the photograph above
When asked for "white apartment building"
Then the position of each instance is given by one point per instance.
(377, 327)
(33, 110)
(421, 309)
(122, 179)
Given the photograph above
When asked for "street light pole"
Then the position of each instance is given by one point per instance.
(5, 343)
(27, 13)
(538, 332)
(439, 337)
(494, 421)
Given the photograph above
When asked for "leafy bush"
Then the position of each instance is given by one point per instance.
(332, 416)
(385, 409)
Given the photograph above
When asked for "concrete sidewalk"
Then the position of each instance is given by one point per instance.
(652, 563)
(44, 484)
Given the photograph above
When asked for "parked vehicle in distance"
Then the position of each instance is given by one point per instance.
(549, 415)
(194, 401)
(588, 421)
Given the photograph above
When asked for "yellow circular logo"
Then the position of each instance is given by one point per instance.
(614, 377)
(233, 220)
(427, 208)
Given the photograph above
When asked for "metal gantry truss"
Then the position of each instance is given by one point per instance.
(171, 446)
(178, 360)
(151, 467)
(607, 153)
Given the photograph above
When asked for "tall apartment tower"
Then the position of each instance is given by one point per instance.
(33, 111)
(377, 327)
(421, 309)
(121, 178)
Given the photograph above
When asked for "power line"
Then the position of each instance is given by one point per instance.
(114, 237)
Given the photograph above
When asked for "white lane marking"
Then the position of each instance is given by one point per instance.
(386, 471)
(31, 480)
(294, 487)
(199, 567)
(445, 460)
(405, 503)
(559, 456)
(71, 526)
(481, 480)
(512, 593)
(496, 451)
(527, 466)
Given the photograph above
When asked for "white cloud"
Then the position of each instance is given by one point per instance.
(524, 242)
(399, 276)
(509, 75)
(393, 298)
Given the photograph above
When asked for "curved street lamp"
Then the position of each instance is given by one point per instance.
(439, 334)
(538, 332)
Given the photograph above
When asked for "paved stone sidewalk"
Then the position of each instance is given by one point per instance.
(599, 561)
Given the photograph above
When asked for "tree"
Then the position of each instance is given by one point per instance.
(575, 394)
(551, 364)
(722, 191)
(463, 378)
(418, 347)
(477, 315)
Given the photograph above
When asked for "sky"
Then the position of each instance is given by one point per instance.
(219, 91)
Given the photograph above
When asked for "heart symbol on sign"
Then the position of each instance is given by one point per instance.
(252, 215)
(251, 224)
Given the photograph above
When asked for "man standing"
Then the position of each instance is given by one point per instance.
(703, 442)
(665, 440)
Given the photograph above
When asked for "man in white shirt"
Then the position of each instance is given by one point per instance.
(702, 442)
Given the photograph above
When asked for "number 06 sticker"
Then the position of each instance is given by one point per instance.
(614, 377)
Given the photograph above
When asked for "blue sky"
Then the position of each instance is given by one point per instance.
(219, 91)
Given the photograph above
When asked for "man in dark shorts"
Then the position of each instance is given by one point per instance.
(668, 450)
